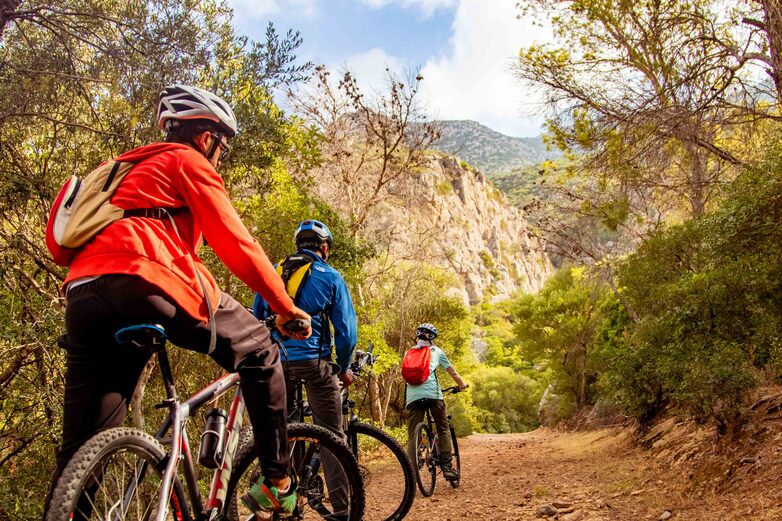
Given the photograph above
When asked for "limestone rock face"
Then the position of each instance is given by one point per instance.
(451, 216)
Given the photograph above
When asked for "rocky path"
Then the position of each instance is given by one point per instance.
(592, 476)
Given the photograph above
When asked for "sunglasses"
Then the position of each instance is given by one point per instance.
(225, 148)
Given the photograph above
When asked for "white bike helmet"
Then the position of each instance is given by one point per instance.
(426, 331)
(183, 102)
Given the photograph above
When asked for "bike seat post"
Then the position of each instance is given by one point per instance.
(168, 376)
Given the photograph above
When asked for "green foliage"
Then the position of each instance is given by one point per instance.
(394, 303)
(463, 413)
(556, 328)
(519, 185)
(373, 333)
(507, 399)
(444, 188)
(709, 298)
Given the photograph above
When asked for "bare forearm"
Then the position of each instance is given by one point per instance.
(456, 377)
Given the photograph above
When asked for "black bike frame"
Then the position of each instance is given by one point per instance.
(433, 427)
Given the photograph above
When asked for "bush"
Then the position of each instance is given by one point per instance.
(507, 400)
(709, 298)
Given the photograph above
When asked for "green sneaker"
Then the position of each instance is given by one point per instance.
(265, 499)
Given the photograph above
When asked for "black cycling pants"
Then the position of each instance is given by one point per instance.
(416, 413)
(101, 375)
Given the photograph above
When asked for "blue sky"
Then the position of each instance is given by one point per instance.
(464, 49)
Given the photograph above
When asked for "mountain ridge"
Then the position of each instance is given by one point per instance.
(490, 151)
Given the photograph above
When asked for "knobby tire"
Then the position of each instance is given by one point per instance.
(426, 470)
(246, 458)
(90, 468)
(403, 460)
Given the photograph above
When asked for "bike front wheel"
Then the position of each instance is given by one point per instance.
(115, 475)
(425, 464)
(329, 481)
(389, 480)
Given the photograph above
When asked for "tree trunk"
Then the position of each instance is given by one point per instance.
(39, 357)
(375, 410)
(390, 377)
(696, 189)
(773, 26)
(7, 10)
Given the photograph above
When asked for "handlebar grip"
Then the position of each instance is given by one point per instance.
(370, 347)
(297, 325)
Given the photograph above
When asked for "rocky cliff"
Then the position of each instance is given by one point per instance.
(451, 216)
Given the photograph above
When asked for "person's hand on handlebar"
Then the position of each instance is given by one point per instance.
(283, 320)
(347, 378)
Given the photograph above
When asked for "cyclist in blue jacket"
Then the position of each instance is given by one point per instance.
(319, 290)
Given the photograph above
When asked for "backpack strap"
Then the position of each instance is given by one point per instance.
(294, 270)
(158, 212)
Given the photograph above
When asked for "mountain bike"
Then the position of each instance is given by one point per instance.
(389, 480)
(127, 474)
(427, 455)
(386, 470)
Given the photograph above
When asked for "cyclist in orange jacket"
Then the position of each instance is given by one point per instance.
(145, 269)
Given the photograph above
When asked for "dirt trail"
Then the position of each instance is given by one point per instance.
(590, 476)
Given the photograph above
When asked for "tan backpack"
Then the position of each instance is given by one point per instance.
(83, 208)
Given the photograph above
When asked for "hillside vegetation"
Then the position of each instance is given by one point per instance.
(489, 151)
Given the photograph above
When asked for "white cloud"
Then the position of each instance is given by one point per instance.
(427, 7)
(474, 79)
(257, 9)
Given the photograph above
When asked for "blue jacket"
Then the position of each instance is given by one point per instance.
(324, 291)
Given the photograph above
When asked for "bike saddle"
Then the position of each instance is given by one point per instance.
(150, 336)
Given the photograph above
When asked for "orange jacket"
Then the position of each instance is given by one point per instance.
(173, 175)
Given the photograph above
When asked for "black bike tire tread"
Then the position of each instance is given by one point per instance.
(455, 443)
(69, 485)
(402, 456)
(424, 492)
(246, 451)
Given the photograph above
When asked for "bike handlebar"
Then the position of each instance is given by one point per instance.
(293, 326)
(363, 358)
(453, 390)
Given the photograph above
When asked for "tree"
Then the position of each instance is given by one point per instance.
(641, 90)
(399, 300)
(556, 328)
(368, 142)
(764, 40)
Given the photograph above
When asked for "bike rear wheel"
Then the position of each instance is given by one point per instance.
(425, 464)
(115, 475)
(335, 497)
(389, 480)
(457, 465)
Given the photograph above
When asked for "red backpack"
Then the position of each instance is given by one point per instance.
(415, 365)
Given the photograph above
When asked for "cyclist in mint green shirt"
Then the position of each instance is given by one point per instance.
(428, 395)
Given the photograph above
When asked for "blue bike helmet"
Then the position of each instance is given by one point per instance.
(426, 332)
(312, 233)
